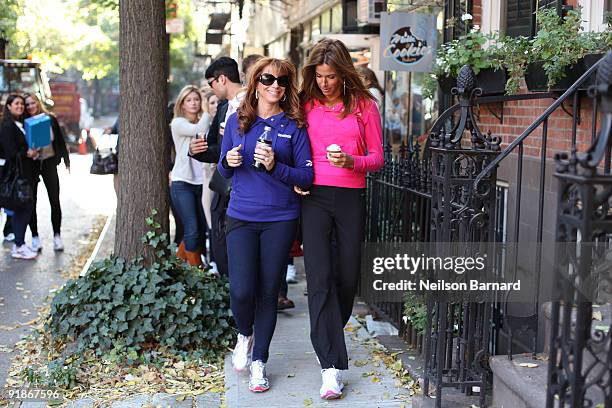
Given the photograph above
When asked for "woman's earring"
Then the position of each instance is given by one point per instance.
(284, 98)
(343, 87)
(256, 94)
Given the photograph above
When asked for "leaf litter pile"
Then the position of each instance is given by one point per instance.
(115, 376)
(380, 356)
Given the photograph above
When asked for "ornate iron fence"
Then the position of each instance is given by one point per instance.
(580, 361)
(447, 190)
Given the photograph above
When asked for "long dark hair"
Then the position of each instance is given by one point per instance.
(335, 54)
(6, 114)
(291, 104)
(370, 77)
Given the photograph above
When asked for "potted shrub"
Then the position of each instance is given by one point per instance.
(470, 49)
(562, 52)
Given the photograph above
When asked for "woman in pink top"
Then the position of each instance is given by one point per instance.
(346, 140)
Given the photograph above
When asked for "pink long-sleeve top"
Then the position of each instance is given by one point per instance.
(358, 134)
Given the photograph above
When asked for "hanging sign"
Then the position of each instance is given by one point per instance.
(408, 41)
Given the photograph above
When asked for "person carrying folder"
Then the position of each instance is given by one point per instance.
(46, 166)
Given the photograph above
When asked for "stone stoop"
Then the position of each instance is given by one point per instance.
(518, 387)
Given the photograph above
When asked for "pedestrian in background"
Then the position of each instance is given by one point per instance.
(346, 138)
(224, 79)
(263, 210)
(209, 105)
(17, 153)
(46, 166)
(371, 83)
(189, 121)
(247, 63)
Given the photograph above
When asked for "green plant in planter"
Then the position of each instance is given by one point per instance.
(561, 43)
(516, 52)
(166, 303)
(467, 49)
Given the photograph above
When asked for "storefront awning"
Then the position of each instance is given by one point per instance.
(218, 21)
(216, 28)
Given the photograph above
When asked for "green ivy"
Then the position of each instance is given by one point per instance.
(415, 311)
(131, 304)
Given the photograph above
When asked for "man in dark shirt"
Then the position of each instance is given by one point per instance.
(224, 79)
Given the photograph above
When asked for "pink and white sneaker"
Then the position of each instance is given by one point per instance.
(258, 382)
(332, 384)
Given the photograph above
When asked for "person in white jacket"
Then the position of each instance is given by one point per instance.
(186, 190)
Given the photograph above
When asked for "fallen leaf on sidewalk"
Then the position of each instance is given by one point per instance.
(308, 402)
(375, 379)
(361, 363)
(5, 349)
(528, 365)
(279, 354)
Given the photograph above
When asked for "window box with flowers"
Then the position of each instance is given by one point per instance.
(561, 52)
(476, 49)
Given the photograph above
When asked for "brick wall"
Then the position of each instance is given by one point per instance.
(477, 12)
(518, 116)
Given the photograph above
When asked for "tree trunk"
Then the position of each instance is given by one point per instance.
(3, 44)
(143, 184)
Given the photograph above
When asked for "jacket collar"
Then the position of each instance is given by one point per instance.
(278, 121)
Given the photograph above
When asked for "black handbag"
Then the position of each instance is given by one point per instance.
(15, 190)
(220, 184)
(108, 164)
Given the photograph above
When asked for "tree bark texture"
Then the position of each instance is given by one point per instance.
(143, 158)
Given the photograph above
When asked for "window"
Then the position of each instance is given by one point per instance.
(326, 22)
(307, 30)
(336, 18)
(3, 80)
(316, 26)
(520, 15)
(518, 18)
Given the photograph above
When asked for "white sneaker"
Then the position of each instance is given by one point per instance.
(23, 252)
(213, 268)
(58, 245)
(258, 382)
(291, 274)
(332, 384)
(9, 238)
(36, 245)
(241, 358)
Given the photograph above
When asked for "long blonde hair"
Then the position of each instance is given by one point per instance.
(290, 103)
(41, 108)
(178, 106)
(335, 54)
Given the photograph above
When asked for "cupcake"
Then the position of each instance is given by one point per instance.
(333, 148)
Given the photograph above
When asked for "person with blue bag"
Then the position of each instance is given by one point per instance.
(46, 167)
(19, 158)
(266, 150)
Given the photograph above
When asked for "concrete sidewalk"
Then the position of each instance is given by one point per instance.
(295, 376)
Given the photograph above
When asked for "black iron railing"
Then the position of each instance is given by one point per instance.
(447, 190)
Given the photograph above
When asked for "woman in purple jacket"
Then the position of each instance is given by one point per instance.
(263, 209)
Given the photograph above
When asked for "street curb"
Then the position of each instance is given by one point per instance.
(96, 249)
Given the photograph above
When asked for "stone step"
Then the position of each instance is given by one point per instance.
(518, 387)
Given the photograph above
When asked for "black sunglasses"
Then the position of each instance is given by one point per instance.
(268, 79)
(211, 81)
